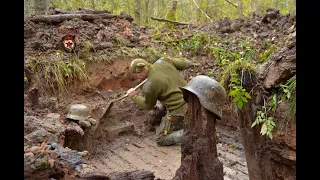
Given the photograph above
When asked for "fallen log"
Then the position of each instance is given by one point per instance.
(57, 18)
(80, 11)
(94, 11)
(133, 175)
(167, 20)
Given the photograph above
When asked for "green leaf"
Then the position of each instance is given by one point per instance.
(234, 80)
(254, 123)
(270, 127)
(232, 93)
(240, 104)
(270, 135)
(264, 129)
(247, 95)
(288, 95)
(244, 99)
(262, 115)
(273, 123)
(236, 99)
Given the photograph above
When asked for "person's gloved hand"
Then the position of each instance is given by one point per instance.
(131, 92)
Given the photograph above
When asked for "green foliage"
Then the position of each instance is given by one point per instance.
(267, 122)
(264, 56)
(54, 75)
(238, 93)
(273, 103)
(223, 55)
(215, 9)
(171, 15)
(289, 89)
(150, 54)
(234, 67)
(195, 44)
(43, 164)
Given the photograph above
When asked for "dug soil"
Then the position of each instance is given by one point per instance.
(124, 139)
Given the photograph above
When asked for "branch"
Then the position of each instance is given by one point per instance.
(57, 18)
(167, 20)
(80, 11)
(202, 11)
(232, 4)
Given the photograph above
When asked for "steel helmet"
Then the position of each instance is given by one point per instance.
(211, 93)
(137, 65)
(78, 112)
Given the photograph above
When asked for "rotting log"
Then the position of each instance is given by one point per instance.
(133, 175)
(199, 160)
(167, 20)
(80, 11)
(57, 18)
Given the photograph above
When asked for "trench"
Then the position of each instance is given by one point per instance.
(124, 140)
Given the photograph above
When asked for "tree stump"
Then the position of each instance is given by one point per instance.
(199, 160)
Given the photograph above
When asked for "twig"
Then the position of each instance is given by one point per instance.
(202, 11)
(167, 20)
(232, 4)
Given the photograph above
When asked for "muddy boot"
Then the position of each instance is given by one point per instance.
(169, 139)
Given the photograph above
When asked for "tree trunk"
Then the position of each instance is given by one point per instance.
(40, 6)
(147, 11)
(28, 7)
(199, 11)
(240, 9)
(137, 14)
(199, 160)
(92, 5)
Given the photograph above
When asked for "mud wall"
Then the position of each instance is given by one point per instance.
(270, 158)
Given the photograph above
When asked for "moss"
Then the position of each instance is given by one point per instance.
(171, 15)
(54, 73)
(43, 164)
(239, 67)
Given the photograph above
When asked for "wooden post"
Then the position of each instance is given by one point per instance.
(199, 160)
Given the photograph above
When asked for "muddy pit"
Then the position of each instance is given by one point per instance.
(124, 140)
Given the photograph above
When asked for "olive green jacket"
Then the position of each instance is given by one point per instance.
(163, 84)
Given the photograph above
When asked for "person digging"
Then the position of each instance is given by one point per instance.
(163, 81)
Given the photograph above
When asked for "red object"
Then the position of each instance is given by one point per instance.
(68, 37)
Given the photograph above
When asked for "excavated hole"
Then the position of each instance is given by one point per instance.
(112, 82)
(124, 140)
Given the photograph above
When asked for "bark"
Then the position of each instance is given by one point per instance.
(240, 9)
(201, 11)
(63, 17)
(199, 160)
(80, 11)
(167, 20)
(147, 11)
(137, 14)
(40, 6)
(133, 175)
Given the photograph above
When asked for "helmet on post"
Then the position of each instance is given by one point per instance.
(211, 93)
(137, 65)
(78, 112)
